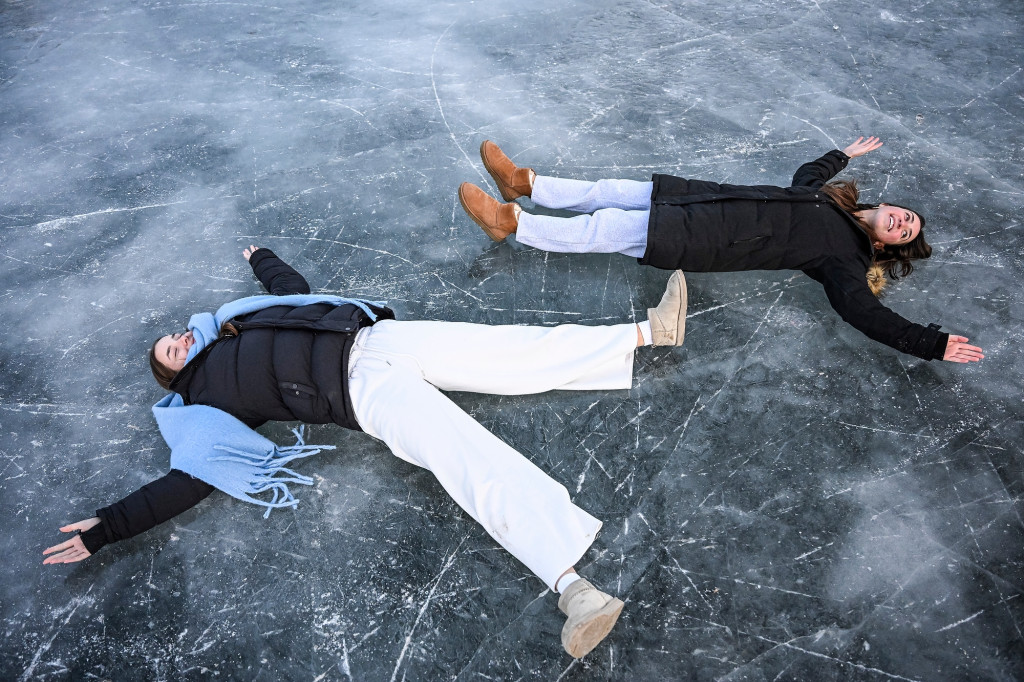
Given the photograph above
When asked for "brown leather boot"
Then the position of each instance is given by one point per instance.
(513, 182)
(498, 220)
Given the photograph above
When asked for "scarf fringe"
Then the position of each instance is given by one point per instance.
(270, 473)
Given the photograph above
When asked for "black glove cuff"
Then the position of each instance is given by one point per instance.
(95, 538)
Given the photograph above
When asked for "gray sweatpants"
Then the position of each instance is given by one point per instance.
(618, 222)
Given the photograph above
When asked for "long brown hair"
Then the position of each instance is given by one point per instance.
(163, 374)
(892, 260)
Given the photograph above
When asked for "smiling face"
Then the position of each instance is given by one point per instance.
(172, 350)
(891, 225)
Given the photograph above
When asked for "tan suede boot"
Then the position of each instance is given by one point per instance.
(668, 320)
(498, 220)
(591, 615)
(513, 182)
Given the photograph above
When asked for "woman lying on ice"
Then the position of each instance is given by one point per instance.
(319, 359)
(815, 226)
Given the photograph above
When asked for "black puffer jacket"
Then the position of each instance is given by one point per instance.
(286, 364)
(702, 226)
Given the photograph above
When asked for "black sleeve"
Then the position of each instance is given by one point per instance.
(849, 295)
(149, 506)
(816, 173)
(277, 277)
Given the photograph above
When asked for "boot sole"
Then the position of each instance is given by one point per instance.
(681, 329)
(510, 194)
(581, 636)
(488, 230)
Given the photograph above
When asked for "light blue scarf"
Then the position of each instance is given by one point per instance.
(217, 448)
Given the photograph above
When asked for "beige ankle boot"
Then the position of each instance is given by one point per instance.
(591, 615)
(668, 320)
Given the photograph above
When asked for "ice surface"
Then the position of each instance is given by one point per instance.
(783, 498)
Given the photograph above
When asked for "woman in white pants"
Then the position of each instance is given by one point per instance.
(271, 358)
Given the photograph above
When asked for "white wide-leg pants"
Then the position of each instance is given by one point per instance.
(395, 371)
(618, 224)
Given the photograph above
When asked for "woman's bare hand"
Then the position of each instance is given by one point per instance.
(74, 549)
(248, 252)
(862, 147)
(957, 350)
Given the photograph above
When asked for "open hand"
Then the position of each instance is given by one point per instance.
(248, 252)
(862, 146)
(74, 549)
(957, 350)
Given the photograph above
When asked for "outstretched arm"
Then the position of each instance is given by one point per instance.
(816, 173)
(278, 277)
(850, 296)
(149, 506)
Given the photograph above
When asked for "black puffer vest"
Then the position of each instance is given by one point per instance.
(287, 363)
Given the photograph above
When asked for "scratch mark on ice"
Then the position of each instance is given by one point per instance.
(960, 622)
(426, 602)
(78, 601)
